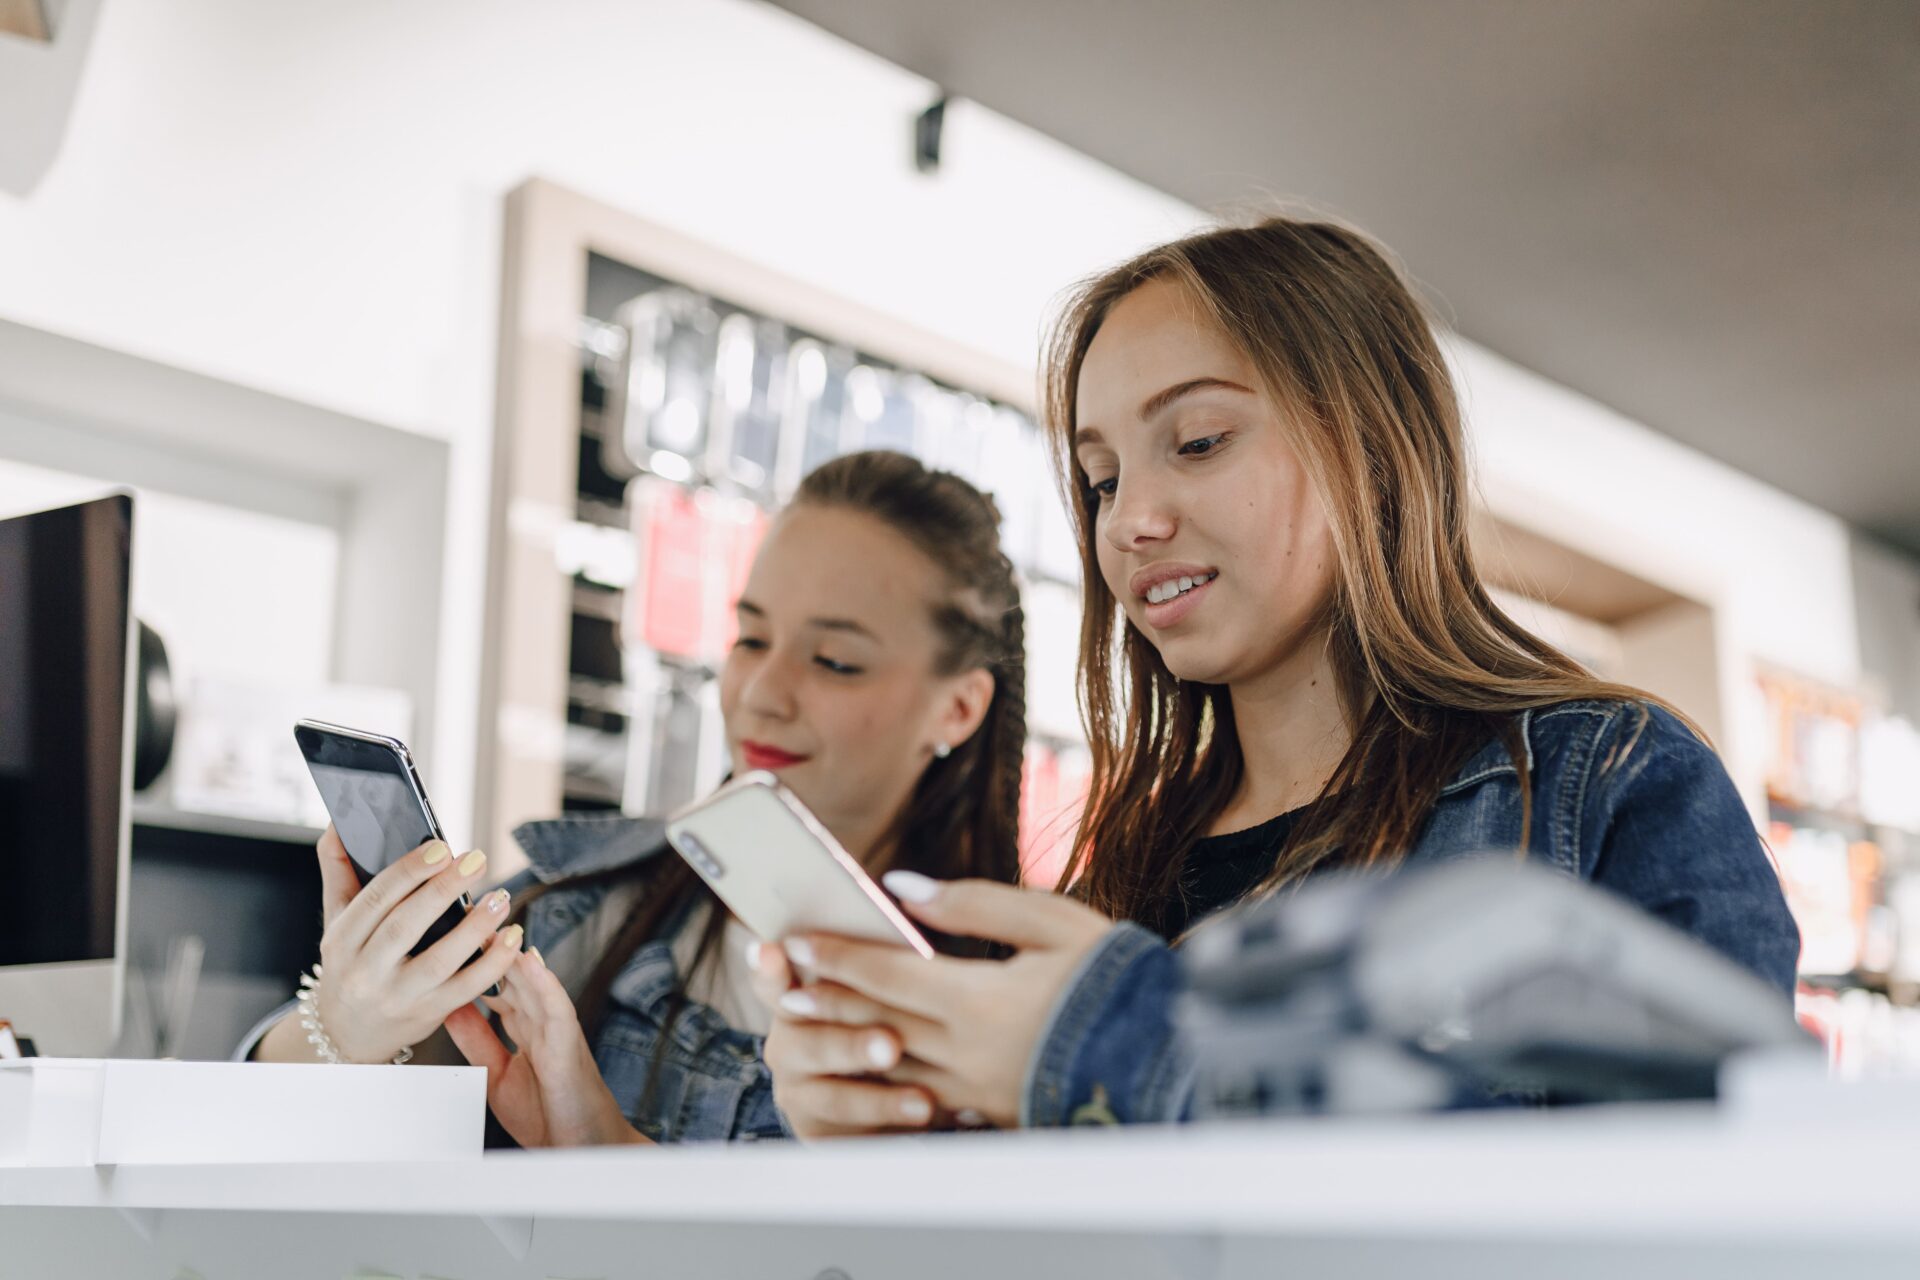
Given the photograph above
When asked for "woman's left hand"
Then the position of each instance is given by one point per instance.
(966, 1028)
(546, 1091)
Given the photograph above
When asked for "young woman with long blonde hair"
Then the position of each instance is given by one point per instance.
(1288, 663)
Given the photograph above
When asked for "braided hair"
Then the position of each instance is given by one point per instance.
(963, 818)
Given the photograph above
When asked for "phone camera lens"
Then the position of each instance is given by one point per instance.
(697, 854)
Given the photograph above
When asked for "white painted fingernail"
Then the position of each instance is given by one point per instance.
(799, 950)
(753, 954)
(880, 1052)
(916, 1108)
(911, 886)
(800, 1002)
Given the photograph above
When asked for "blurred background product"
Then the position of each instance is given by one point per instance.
(698, 419)
(1843, 803)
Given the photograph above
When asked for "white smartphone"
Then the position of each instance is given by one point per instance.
(780, 871)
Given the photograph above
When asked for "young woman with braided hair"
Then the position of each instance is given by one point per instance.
(880, 672)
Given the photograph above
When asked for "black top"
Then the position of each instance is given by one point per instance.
(1223, 869)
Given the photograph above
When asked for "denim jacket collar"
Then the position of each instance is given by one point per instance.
(580, 843)
(1493, 760)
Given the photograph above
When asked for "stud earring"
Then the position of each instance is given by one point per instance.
(941, 751)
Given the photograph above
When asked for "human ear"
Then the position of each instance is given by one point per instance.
(963, 706)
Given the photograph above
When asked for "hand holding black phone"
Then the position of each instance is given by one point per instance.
(378, 806)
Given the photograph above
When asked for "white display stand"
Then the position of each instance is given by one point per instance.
(81, 1112)
(1646, 1192)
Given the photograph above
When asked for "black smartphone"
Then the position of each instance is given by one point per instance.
(378, 807)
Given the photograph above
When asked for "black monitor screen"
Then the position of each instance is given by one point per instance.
(63, 674)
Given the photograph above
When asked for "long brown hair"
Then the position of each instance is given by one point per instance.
(962, 819)
(1428, 668)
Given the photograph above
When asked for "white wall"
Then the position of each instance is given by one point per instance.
(306, 199)
(1775, 570)
(221, 585)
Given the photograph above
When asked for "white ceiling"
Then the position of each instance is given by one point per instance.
(1705, 213)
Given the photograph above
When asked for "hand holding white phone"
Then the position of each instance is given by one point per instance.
(780, 871)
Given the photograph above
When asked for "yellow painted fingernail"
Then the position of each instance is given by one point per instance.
(472, 863)
(511, 935)
(537, 957)
(437, 853)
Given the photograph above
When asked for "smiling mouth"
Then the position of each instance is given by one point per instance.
(1173, 588)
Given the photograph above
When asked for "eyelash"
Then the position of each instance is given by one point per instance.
(823, 662)
(1104, 488)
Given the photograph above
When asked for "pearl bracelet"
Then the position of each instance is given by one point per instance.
(317, 1036)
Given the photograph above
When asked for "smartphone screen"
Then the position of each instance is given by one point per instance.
(378, 807)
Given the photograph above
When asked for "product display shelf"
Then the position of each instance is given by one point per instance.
(648, 629)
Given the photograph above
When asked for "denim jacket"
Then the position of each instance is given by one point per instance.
(712, 1083)
(1624, 796)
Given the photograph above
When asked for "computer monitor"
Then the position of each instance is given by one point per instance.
(67, 654)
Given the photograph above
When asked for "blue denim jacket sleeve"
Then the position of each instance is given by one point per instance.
(1109, 1054)
(1670, 833)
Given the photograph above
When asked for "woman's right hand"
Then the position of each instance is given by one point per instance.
(826, 1076)
(375, 999)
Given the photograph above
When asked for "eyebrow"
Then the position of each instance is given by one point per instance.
(1158, 402)
(820, 624)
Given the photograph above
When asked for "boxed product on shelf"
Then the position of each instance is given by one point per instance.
(817, 411)
(1866, 1035)
(749, 402)
(897, 426)
(953, 430)
(696, 548)
(1814, 758)
(1829, 887)
(658, 406)
(667, 610)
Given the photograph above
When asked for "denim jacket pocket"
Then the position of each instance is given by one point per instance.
(669, 1094)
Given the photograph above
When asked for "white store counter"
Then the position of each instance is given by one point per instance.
(1788, 1186)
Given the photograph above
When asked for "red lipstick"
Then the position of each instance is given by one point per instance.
(760, 755)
